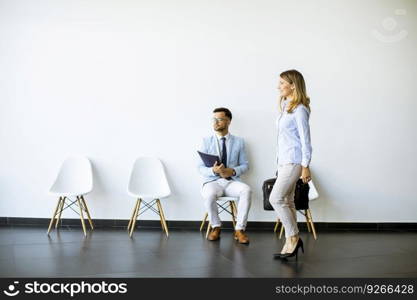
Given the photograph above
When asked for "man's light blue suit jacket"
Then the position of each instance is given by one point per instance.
(236, 157)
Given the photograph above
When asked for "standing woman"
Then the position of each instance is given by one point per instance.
(294, 155)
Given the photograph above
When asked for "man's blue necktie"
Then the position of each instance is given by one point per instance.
(224, 152)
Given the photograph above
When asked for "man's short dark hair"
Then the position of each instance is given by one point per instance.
(226, 111)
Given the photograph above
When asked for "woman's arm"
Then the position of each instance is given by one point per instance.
(302, 116)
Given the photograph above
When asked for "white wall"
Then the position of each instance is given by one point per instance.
(117, 79)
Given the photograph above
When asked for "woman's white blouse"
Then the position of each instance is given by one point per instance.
(294, 143)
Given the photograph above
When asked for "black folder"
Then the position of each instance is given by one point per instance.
(209, 159)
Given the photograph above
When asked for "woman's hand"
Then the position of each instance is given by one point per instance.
(305, 174)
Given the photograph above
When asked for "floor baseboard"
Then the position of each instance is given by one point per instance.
(176, 224)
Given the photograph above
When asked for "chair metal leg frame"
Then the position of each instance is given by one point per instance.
(224, 207)
(146, 206)
(62, 205)
(72, 202)
(309, 224)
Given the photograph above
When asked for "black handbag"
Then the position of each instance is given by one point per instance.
(267, 188)
(300, 197)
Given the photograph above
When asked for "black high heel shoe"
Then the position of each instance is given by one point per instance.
(295, 252)
(278, 255)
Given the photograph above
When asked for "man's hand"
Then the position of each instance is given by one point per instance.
(218, 169)
(226, 173)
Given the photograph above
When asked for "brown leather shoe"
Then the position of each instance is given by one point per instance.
(214, 234)
(241, 237)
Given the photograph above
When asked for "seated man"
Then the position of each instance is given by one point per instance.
(223, 178)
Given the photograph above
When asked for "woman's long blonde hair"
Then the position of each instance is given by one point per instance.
(299, 92)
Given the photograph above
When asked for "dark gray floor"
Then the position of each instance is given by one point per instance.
(29, 252)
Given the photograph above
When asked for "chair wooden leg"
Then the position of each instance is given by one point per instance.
(60, 208)
(282, 230)
(312, 224)
(53, 216)
(162, 215)
(208, 229)
(88, 212)
(235, 209)
(232, 208)
(307, 222)
(81, 215)
(135, 216)
(232, 212)
(203, 222)
(276, 225)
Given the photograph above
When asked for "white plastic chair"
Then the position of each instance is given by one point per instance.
(148, 181)
(227, 204)
(75, 179)
(312, 195)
